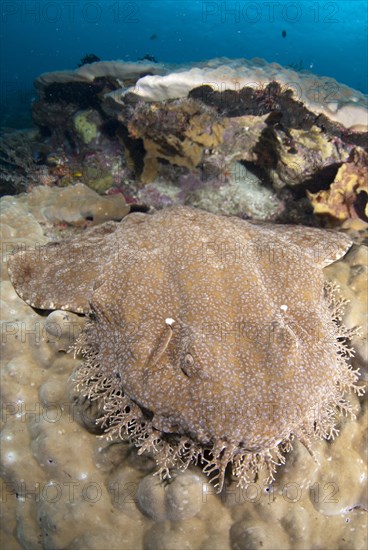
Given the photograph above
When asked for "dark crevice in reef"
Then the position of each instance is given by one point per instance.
(257, 102)
(110, 128)
(359, 139)
(266, 149)
(291, 113)
(139, 208)
(361, 204)
(83, 95)
(134, 146)
(322, 179)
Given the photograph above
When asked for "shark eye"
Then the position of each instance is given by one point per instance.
(188, 364)
(188, 360)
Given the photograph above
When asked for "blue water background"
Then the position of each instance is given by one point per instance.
(327, 38)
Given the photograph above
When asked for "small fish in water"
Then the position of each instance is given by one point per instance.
(53, 159)
(38, 157)
(283, 34)
(88, 58)
(148, 57)
(153, 37)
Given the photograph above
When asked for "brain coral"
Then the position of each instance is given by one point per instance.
(209, 338)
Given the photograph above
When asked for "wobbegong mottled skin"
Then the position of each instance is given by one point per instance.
(207, 336)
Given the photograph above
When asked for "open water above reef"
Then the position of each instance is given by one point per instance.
(328, 38)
